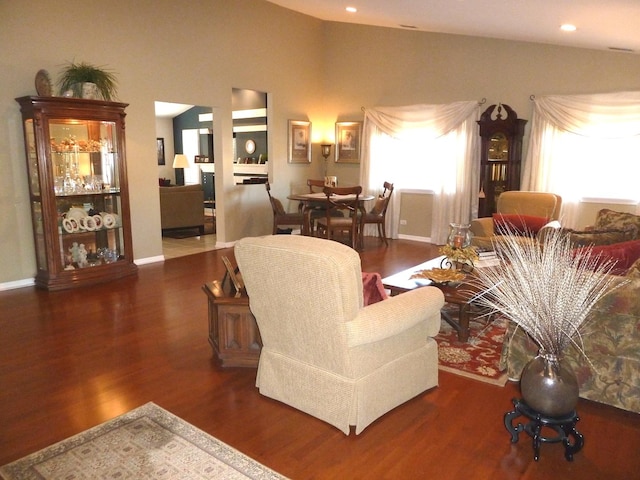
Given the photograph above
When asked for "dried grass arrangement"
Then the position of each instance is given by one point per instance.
(546, 287)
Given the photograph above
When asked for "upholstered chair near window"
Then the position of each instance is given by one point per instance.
(519, 212)
(324, 352)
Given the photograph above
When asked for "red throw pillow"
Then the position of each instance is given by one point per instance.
(372, 288)
(624, 254)
(517, 224)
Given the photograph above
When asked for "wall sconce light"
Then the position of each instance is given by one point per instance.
(326, 150)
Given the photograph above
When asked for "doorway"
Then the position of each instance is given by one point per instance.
(182, 128)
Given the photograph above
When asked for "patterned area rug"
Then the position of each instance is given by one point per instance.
(147, 442)
(479, 357)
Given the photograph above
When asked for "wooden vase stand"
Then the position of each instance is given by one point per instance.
(563, 428)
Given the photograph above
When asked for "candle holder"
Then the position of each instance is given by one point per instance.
(458, 252)
(459, 235)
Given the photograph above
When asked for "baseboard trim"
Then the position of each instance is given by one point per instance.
(27, 282)
(148, 260)
(415, 238)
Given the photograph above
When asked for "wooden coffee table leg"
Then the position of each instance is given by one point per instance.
(462, 325)
(463, 320)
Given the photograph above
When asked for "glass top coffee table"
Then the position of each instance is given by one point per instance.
(458, 293)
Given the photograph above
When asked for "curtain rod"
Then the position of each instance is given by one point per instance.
(480, 102)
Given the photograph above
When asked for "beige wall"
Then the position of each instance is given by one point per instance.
(415, 214)
(196, 52)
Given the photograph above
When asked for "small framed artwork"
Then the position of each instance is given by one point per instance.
(348, 136)
(299, 141)
(160, 148)
(234, 275)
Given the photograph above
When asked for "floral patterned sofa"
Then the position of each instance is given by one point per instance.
(610, 373)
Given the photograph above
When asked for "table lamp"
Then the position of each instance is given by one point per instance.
(181, 162)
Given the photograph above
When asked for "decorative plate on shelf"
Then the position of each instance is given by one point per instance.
(438, 275)
(43, 84)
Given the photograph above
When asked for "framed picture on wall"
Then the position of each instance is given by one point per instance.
(299, 141)
(348, 136)
(160, 148)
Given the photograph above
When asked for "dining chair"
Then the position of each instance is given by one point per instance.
(282, 218)
(377, 215)
(318, 209)
(334, 221)
(315, 185)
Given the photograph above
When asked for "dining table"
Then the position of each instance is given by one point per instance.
(309, 200)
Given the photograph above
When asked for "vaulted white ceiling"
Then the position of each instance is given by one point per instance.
(601, 24)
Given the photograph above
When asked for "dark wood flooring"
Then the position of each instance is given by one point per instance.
(71, 360)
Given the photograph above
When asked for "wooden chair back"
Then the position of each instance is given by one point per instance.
(280, 216)
(315, 185)
(377, 215)
(334, 220)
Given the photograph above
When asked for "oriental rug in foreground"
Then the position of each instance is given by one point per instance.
(147, 442)
(479, 357)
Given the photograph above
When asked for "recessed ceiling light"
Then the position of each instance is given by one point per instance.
(351, 9)
(567, 27)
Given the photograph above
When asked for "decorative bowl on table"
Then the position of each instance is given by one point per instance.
(438, 276)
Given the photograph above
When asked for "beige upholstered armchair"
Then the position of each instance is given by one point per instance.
(528, 205)
(325, 353)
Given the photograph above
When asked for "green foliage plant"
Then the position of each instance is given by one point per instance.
(74, 75)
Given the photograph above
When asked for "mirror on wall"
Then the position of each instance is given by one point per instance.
(250, 147)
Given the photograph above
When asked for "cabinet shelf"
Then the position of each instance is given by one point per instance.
(76, 164)
(111, 191)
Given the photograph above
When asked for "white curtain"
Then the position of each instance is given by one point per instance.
(580, 145)
(428, 147)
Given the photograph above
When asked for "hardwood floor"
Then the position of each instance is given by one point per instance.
(74, 359)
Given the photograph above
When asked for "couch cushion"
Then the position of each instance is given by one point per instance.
(634, 271)
(528, 225)
(608, 219)
(624, 254)
(600, 237)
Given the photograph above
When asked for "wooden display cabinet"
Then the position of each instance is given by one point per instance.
(76, 166)
(501, 156)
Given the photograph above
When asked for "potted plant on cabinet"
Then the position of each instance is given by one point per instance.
(75, 76)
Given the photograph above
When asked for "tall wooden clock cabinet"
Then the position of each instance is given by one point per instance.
(501, 155)
(76, 167)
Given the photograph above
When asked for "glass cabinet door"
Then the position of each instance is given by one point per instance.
(87, 186)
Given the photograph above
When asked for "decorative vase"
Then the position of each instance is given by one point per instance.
(90, 91)
(549, 386)
(459, 235)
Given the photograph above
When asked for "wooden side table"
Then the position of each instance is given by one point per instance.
(233, 332)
